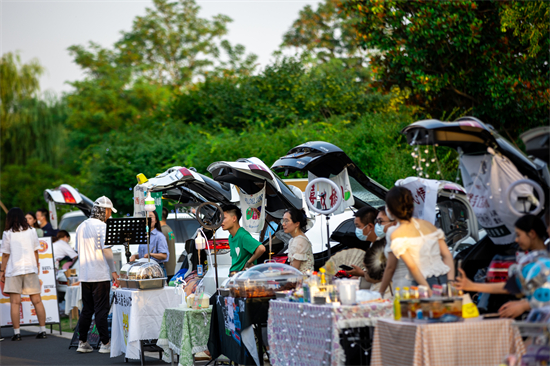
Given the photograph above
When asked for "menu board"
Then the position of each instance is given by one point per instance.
(46, 274)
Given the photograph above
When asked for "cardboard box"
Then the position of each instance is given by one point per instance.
(70, 272)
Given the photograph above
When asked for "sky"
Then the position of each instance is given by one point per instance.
(44, 29)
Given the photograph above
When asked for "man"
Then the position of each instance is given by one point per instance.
(170, 266)
(96, 268)
(244, 249)
(42, 217)
(364, 230)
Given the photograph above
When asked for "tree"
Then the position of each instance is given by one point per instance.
(455, 55)
(18, 82)
(327, 33)
(529, 21)
(164, 53)
(31, 127)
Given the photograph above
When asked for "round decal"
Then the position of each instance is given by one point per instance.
(43, 246)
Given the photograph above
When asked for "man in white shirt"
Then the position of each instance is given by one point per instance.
(96, 268)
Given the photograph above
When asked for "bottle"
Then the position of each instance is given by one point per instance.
(323, 279)
(406, 294)
(396, 305)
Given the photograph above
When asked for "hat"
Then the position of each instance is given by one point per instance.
(104, 202)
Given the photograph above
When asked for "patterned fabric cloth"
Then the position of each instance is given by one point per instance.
(306, 334)
(476, 343)
(185, 331)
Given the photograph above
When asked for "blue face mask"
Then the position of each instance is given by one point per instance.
(379, 231)
(360, 235)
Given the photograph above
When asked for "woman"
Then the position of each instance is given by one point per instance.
(530, 236)
(396, 272)
(417, 242)
(157, 244)
(300, 253)
(61, 247)
(33, 222)
(19, 269)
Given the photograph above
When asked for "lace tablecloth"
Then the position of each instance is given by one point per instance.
(185, 331)
(305, 334)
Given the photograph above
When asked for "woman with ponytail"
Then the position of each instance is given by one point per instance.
(300, 253)
(418, 242)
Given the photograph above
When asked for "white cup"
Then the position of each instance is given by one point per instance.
(347, 290)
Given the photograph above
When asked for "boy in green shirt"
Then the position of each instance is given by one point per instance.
(244, 249)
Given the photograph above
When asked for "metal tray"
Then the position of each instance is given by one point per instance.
(143, 284)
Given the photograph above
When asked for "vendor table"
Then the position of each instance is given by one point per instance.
(186, 332)
(484, 342)
(137, 316)
(306, 334)
(232, 327)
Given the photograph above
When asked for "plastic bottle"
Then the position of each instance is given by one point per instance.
(323, 279)
(406, 294)
(396, 305)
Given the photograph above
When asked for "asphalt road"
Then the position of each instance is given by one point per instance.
(55, 351)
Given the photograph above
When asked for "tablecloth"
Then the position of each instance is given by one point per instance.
(137, 315)
(306, 334)
(73, 298)
(185, 331)
(472, 343)
(231, 331)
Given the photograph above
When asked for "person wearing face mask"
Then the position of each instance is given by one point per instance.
(364, 230)
(42, 216)
(61, 247)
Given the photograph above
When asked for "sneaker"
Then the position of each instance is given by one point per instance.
(16, 337)
(41, 335)
(84, 347)
(105, 348)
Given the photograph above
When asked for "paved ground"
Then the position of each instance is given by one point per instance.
(55, 351)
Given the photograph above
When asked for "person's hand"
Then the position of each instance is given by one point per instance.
(356, 271)
(513, 309)
(146, 255)
(115, 278)
(133, 258)
(462, 282)
(248, 265)
(3, 277)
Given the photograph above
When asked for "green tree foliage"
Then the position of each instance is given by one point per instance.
(454, 54)
(285, 92)
(530, 21)
(327, 33)
(31, 127)
(165, 52)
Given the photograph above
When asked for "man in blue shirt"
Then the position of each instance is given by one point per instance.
(42, 217)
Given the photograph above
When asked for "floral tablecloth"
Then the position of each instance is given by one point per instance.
(185, 331)
(306, 334)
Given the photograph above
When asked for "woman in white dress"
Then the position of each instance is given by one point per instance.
(300, 253)
(417, 242)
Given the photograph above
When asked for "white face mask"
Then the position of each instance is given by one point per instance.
(38, 221)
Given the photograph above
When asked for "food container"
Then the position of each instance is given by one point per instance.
(264, 280)
(347, 290)
(142, 275)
